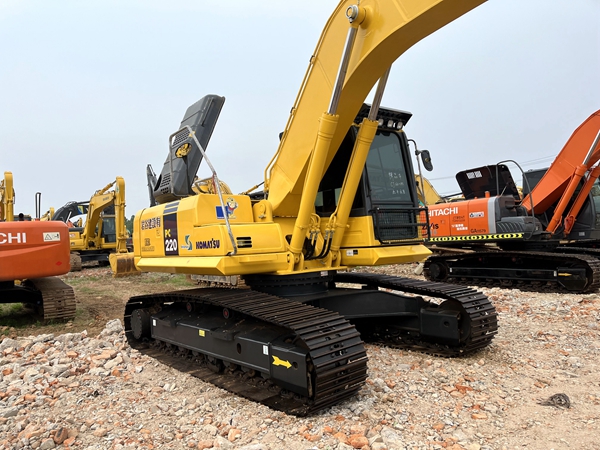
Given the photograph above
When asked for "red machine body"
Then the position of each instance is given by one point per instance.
(33, 250)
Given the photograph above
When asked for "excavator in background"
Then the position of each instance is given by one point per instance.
(339, 193)
(7, 198)
(103, 231)
(548, 235)
(48, 215)
(427, 193)
(45, 243)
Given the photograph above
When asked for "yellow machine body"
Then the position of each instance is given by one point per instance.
(267, 236)
(192, 230)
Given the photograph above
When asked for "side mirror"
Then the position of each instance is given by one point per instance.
(426, 158)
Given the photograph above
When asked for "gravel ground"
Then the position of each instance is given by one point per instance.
(95, 392)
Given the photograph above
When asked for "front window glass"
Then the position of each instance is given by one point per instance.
(595, 193)
(386, 170)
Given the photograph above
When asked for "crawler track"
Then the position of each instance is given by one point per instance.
(337, 365)
(336, 360)
(58, 298)
(478, 316)
(565, 269)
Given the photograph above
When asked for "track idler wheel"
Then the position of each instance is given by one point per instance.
(457, 309)
(437, 271)
(140, 323)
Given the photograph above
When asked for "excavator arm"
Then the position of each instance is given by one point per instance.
(385, 30)
(577, 158)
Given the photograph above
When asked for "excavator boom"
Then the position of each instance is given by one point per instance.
(577, 154)
(386, 30)
(7, 198)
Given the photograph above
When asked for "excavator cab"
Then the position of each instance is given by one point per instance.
(587, 226)
(386, 191)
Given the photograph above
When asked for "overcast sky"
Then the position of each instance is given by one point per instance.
(91, 90)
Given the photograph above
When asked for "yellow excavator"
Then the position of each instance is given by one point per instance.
(102, 232)
(338, 194)
(7, 198)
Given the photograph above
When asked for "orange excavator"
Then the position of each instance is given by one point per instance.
(32, 256)
(550, 236)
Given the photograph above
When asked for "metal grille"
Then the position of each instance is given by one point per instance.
(510, 227)
(180, 137)
(406, 225)
(165, 183)
(244, 242)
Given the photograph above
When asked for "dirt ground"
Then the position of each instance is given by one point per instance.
(548, 343)
(100, 298)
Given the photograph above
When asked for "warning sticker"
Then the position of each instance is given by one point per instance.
(51, 237)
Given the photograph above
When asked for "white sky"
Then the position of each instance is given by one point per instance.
(90, 90)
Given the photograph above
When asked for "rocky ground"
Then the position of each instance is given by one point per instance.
(74, 388)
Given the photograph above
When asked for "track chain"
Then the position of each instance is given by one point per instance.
(58, 298)
(590, 257)
(336, 375)
(475, 306)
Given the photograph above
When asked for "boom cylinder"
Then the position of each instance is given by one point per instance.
(365, 137)
(316, 166)
(327, 128)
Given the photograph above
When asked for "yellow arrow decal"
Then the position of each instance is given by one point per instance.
(281, 362)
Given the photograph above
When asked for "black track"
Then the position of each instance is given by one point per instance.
(587, 259)
(478, 315)
(336, 375)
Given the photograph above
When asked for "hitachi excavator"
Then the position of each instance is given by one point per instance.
(549, 237)
(102, 232)
(32, 256)
(338, 193)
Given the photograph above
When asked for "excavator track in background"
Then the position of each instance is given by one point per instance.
(57, 299)
(558, 270)
(478, 320)
(326, 345)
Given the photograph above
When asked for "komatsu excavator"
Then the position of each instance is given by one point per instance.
(103, 231)
(549, 237)
(338, 193)
(32, 256)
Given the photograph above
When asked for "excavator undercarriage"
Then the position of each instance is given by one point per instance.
(305, 353)
(572, 270)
